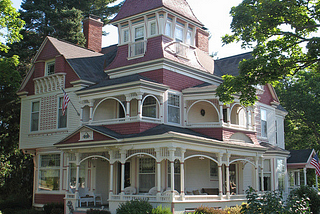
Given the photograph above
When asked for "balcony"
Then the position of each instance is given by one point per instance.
(49, 83)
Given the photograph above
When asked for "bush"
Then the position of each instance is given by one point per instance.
(48, 208)
(135, 207)
(14, 204)
(92, 211)
(209, 210)
(160, 210)
(233, 210)
(305, 194)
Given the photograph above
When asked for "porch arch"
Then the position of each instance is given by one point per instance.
(108, 98)
(205, 156)
(140, 153)
(94, 156)
(205, 101)
(240, 159)
(235, 117)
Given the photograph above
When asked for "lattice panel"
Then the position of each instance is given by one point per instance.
(136, 151)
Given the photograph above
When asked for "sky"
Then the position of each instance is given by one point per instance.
(214, 14)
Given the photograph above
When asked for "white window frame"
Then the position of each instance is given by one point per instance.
(134, 33)
(150, 28)
(48, 64)
(35, 112)
(58, 113)
(179, 27)
(58, 168)
(179, 107)
(264, 127)
(191, 38)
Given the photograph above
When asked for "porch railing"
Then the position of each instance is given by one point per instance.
(208, 124)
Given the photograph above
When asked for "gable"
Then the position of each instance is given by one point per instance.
(84, 135)
(269, 96)
(47, 52)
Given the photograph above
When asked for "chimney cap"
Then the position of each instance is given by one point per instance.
(92, 17)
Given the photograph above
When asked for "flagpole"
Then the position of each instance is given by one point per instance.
(72, 104)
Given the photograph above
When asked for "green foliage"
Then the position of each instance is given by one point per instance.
(306, 194)
(271, 202)
(233, 210)
(276, 30)
(301, 97)
(161, 210)
(93, 211)
(15, 204)
(208, 210)
(53, 208)
(134, 207)
(10, 24)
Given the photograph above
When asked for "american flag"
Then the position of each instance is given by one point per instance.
(315, 162)
(65, 102)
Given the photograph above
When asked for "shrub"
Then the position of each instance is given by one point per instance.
(305, 194)
(160, 210)
(209, 210)
(135, 207)
(92, 211)
(53, 206)
(233, 210)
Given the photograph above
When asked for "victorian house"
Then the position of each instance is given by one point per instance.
(144, 121)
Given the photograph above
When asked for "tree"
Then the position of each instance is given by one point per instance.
(280, 33)
(300, 95)
(14, 165)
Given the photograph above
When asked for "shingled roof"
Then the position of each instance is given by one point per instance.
(299, 156)
(134, 7)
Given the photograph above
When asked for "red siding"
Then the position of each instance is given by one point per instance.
(172, 79)
(76, 137)
(92, 30)
(131, 128)
(39, 69)
(48, 52)
(48, 198)
(266, 97)
(211, 132)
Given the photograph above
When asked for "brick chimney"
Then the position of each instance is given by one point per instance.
(202, 40)
(92, 30)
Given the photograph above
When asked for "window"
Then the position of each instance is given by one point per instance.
(168, 28)
(179, 33)
(249, 118)
(139, 33)
(146, 174)
(35, 109)
(153, 28)
(149, 108)
(73, 176)
(264, 124)
(177, 183)
(213, 170)
(174, 108)
(189, 38)
(50, 68)
(49, 172)
(139, 41)
(266, 175)
(125, 35)
(281, 174)
(62, 119)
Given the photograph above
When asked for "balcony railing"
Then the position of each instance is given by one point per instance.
(181, 49)
(137, 48)
(49, 83)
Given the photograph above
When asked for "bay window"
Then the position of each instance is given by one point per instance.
(266, 175)
(281, 174)
(49, 172)
(173, 108)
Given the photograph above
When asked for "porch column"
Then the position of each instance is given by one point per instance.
(68, 172)
(77, 174)
(257, 173)
(139, 106)
(111, 174)
(185, 117)
(91, 111)
(127, 107)
(158, 173)
(228, 176)
(221, 113)
(220, 174)
(123, 161)
(171, 152)
(305, 176)
(228, 114)
(262, 181)
(299, 182)
(182, 173)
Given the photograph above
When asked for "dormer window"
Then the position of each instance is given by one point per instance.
(138, 47)
(153, 28)
(189, 38)
(126, 35)
(179, 34)
(168, 28)
(50, 68)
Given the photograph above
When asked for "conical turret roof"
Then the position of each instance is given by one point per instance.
(134, 7)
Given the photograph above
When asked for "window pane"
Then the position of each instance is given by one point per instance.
(50, 68)
(35, 106)
(35, 116)
(189, 36)
(153, 28)
(174, 100)
(49, 179)
(280, 173)
(139, 33)
(50, 160)
(125, 35)
(168, 29)
(149, 108)
(173, 114)
(213, 169)
(179, 34)
(146, 165)
(263, 114)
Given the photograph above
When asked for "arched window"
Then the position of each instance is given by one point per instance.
(149, 108)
